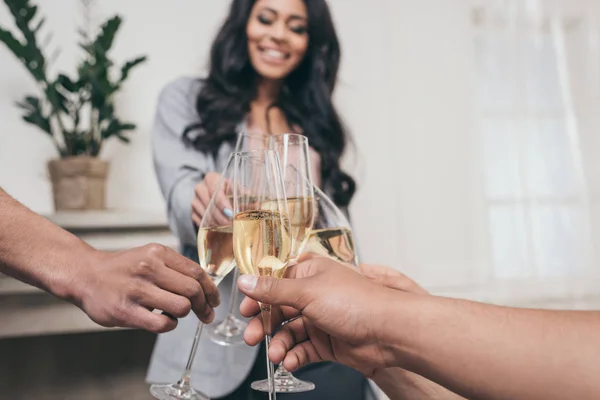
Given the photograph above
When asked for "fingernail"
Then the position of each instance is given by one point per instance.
(248, 282)
(228, 213)
(210, 316)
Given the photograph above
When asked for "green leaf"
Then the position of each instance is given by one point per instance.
(56, 99)
(12, 43)
(30, 103)
(115, 127)
(34, 114)
(127, 127)
(123, 139)
(39, 121)
(106, 37)
(129, 65)
(28, 51)
(89, 48)
(67, 83)
(107, 112)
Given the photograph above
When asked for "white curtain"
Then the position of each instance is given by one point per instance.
(537, 111)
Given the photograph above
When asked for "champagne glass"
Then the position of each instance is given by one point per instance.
(331, 235)
(293, 152)
(261, 228)
(215, 253)
(230, 331)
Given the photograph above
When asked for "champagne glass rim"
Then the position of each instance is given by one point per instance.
(300, 137)
(256, 153)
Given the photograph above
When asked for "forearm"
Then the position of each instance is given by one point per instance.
(35, 251)
(398, 383)
(487, 352)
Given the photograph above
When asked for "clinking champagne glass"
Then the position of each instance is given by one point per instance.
(261, 227)
(331, 235)
(215, 254)
(293, 152)
(230, 331)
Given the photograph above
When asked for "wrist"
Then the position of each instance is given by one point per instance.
(71, 282)
(398, 324)
(392, 381)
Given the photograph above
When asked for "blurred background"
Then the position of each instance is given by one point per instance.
(476, 154)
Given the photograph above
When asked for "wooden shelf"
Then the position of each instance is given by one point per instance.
(109, 219)
(39, 313)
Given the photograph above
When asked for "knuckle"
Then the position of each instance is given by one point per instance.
(144, 269)
(201, 186)
(156, 250)
(181, 308)
(106, 320)
(135, 290)
(211, 177)
(121, 313)
(194, 289)
(197, 272)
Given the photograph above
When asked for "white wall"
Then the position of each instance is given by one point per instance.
(404, 92)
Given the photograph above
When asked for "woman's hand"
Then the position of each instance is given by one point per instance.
(203, 192)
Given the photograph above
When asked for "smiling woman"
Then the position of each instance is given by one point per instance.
(273, 70)
(277, 38)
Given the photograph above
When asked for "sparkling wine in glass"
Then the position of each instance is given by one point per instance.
(262, 241)
(331, 235)
(215, 253)
(230, 331)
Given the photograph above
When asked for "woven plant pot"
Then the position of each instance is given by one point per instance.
(78, 183)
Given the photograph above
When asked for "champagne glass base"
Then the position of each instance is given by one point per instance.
(229, 332)
(176, 392)
(284, 384)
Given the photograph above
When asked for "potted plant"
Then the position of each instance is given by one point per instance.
(77, 114)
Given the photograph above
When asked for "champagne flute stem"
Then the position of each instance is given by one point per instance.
(234, 293)
(184, 381)
(270, 370)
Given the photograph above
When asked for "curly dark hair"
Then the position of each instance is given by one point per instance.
(305, 97)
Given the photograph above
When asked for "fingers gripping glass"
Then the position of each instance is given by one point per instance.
(215, 253)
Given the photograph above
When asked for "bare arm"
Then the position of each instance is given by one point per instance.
(114, 289)
(35, 251)
(488, 352)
